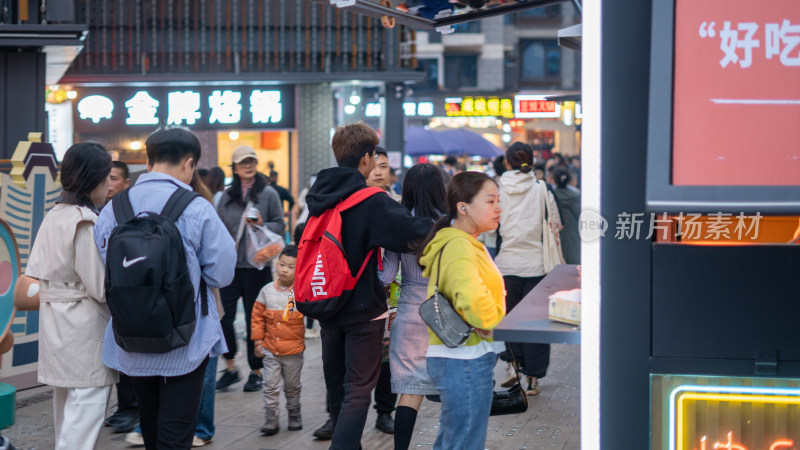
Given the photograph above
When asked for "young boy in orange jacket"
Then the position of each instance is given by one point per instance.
(278, 332)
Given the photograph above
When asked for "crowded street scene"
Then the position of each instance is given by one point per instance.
(381, 224)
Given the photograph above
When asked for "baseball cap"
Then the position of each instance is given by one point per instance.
(242, 153)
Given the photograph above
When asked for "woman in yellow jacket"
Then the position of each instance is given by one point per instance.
(469, 278)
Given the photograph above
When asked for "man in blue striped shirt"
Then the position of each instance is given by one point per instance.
(168, 386)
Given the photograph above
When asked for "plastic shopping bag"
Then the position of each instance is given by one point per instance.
(263, 246)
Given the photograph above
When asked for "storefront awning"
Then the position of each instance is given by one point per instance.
(61, 44)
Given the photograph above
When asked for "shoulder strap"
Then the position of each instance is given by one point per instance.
(123, 210)
(439, 267)
(358, 197)
(203, 295)
(177, 202)
(555, 198)
(364, 264)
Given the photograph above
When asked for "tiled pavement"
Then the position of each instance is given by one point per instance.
(551, 422)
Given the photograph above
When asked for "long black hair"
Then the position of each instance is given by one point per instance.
(424, 191)
(462, 188)
(235, 191)
(84, 167)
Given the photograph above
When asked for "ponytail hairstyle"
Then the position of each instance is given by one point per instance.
(464, 187)
(561, 176)
(520, 157)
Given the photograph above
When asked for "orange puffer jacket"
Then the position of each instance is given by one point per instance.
(279, 337)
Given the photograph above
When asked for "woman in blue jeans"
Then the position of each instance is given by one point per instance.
(459, 265)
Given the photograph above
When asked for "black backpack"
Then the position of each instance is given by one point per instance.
(148, 288)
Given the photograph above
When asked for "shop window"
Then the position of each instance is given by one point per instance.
(541, 139)
(540, 60)
(460, 71)
(431, 69)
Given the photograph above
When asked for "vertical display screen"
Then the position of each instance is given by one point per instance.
(736, 98)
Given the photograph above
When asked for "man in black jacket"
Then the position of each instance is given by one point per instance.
(351, 339)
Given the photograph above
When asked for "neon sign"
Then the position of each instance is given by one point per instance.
(96, 108)
(729, 444)
(724, 413)
(183, 106)
(142, 109)
(425, 109)
(535, 106)
(265, 106)
(203, 107)
(479, 107)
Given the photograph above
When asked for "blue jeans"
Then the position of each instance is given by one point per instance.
(205, 419)
(465, 387)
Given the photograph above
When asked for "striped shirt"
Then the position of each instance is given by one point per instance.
(208, 245)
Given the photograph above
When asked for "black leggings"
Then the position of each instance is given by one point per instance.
(533, 359)
(247, 283)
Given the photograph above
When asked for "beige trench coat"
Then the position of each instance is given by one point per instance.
(72, 313)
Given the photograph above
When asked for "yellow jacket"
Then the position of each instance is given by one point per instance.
(469, 278)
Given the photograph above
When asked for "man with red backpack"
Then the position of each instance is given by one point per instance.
(351, 316)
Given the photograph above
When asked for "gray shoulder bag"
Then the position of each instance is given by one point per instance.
(438, 313)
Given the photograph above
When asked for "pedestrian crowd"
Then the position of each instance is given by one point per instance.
(145, 292)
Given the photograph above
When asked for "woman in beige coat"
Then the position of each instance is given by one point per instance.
(73, 313)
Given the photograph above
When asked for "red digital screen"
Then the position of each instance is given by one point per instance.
(736, 104)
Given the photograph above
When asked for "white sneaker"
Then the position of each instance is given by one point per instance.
(312, 333)
(134, 438)
(197, 442)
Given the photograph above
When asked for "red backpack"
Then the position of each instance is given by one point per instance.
(322, 274)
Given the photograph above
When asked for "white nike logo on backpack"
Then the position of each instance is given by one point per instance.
(126, 263)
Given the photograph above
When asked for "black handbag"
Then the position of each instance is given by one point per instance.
(438, 313)
(512, 400)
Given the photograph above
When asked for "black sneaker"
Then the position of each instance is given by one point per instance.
(126, 422)
(253, 383)
(324, 432)
(227, 379)
(385, 423)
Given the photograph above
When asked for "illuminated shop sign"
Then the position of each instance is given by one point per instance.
(479, 107)
(535, 106)
(706, 413)
(101, 110)
(410, 109)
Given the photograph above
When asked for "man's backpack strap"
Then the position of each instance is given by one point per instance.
(177, 202)
(123, 210)
(359, 196)
(204, 295)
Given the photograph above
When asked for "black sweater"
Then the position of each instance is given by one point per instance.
(376, 222)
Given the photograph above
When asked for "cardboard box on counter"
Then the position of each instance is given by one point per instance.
(565, 306)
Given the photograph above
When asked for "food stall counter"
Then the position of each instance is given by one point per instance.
(528, 321)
